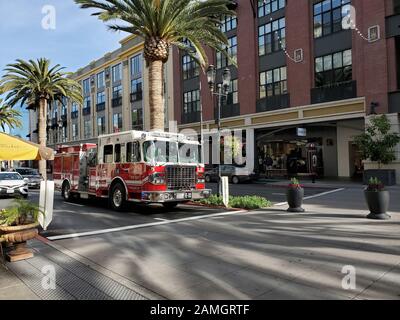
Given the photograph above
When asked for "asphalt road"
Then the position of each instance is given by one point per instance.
(94, 215)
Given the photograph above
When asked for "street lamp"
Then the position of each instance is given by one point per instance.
(222, 91)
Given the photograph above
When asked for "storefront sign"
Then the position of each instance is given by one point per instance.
(301, 132)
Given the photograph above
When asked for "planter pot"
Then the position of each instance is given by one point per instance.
(378, 204)
(17, 237)
(387, 176)
(295, 199)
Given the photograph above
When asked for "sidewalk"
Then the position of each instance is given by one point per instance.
(75, 280)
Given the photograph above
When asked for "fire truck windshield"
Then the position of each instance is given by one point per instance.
(168, 152)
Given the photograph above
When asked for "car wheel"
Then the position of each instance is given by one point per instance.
(117, 197)
(66, 191)
(235, 180)
(170, 205)
(208, 178)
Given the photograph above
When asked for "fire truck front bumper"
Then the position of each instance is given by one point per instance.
(175, 196)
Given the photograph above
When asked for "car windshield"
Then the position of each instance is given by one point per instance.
(163, 152)
(27, 172)
(10, 176)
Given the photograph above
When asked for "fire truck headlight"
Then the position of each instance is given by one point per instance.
(157, 179)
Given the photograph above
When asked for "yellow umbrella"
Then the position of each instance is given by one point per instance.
(12, 148)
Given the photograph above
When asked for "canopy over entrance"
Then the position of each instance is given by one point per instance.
(12, 148)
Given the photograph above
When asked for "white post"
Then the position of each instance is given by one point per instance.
(46, 203)
(225, 190)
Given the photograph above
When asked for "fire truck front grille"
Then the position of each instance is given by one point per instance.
(181, 178)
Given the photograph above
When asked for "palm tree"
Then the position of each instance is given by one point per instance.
(9, 117)
(36, 83)
(187, 24)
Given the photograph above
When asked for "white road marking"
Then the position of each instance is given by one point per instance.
(312, 197)
(74, 204)
(145, 225)
(160, 219)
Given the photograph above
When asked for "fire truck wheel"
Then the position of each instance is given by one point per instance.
(117, 199)
(66, 191)
(170, 205)
(235, 180)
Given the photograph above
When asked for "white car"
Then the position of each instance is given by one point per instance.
(12, 184)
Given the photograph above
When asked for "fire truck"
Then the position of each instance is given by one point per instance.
(133, 166)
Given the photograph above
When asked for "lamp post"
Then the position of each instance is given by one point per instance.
(221, 90)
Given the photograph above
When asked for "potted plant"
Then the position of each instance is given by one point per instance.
(19, 224)
(295, 195)
(377, 199)
(378, 144)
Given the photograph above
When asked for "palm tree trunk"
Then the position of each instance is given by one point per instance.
(43, 134)
(156, 100)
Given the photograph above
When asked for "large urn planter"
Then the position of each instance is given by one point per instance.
(295, 196)
(19, 224)
(16, 238)
(377, 199)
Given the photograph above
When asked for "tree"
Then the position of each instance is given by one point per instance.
(377, 143)
(36, 83)
(186, 24)
(9, 117)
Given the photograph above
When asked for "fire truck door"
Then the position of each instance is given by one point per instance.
(83, 184)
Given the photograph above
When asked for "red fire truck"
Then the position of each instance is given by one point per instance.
(133, 166)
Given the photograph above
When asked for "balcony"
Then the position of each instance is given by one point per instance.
(86, 111)
(74, 115)
(100, 106)
(273, 103)
(334, 92)
(192, 117)
(136, 96)
(116, 102)
(227, 111)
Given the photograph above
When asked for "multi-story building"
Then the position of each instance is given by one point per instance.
(304, 81)
(114, 90)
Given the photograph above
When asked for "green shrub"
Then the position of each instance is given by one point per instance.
(245, 202)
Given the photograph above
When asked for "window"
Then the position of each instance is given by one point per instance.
(133, 152)
(222, 59)
(117, 92)
(101, 97)
(117, 122)
(233, 97)
(273, 82)
(191, 101)
(101, 80)
(101, 125)
(136, 65)
(328, 16)
(108, 154)
(137, 117)
(266, 7)
(74, 107)
(75, 132)
(228, 23)
(136, 90)
(64, 134)
(64, 110)
(87, 129)
(86, 87)
(86, 102)
(333, 68)
(189, 67)
(117, 73)
(117, 157)
(272, 37)
(396, 6)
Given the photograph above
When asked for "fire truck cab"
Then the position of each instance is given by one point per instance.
(133, 166)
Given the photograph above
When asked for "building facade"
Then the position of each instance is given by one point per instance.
(114, 90)
(305, 82)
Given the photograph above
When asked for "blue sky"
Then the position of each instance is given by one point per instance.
(77, 39)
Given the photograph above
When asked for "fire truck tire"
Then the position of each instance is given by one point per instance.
(170, 205)
(117, 197)
(66, 191)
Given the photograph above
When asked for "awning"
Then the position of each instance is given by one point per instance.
(12, 148)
